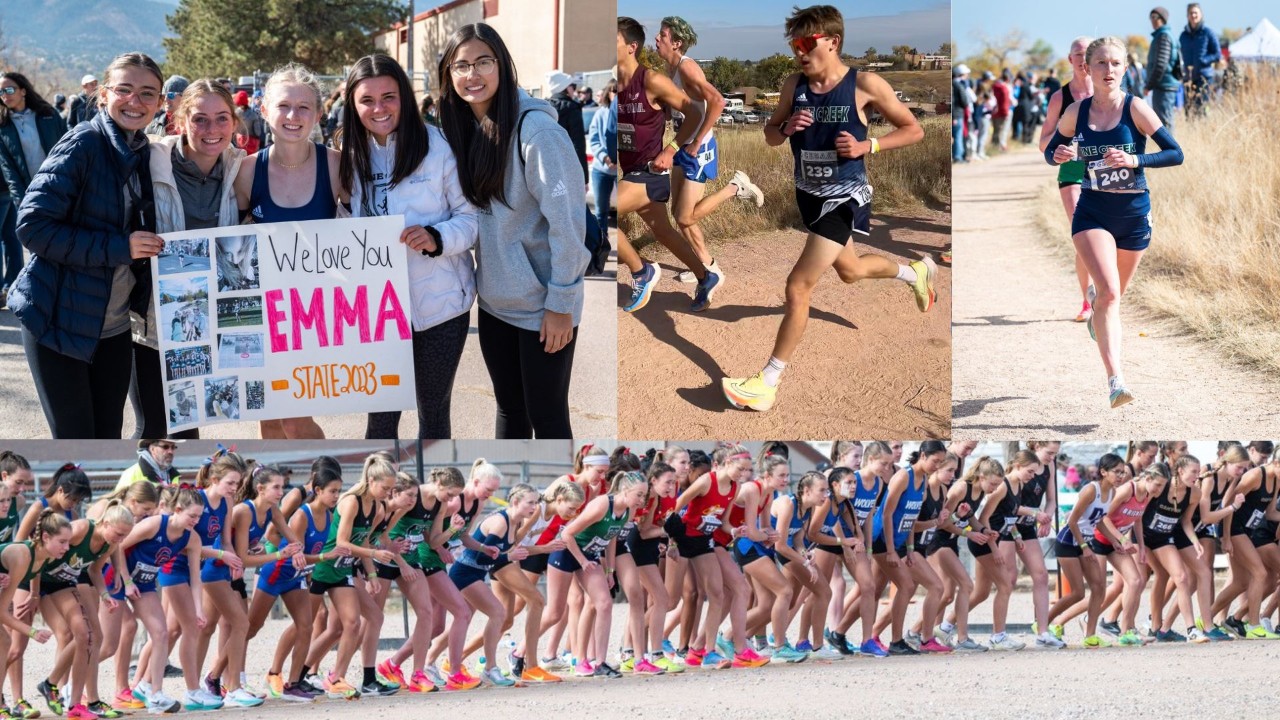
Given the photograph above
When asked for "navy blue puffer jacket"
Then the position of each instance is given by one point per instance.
(73, 221)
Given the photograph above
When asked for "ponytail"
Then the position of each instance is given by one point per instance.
(562, 489)
(72, 481)
(251, 484)
(986, 466)
(928, 447)
(377, 466)
(447, 477)
(49, 523)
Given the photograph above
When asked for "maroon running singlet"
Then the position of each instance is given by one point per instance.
(640, 126)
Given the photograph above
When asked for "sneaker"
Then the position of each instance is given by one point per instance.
(627, 665)
(244, 685)
(583, 668)
(749, 392)
(551, 663)
(160, 704)
(873, 648)
(80, 712)
(1086, 312)
(1090, 296)
(1096, 641)
(1131, 639)
(516, 663)
(642, 286)
(124, 700)
(216, 701)
(946, 256)
(1057, 630)
(668, 649)
(24, 710)
(275, 685)
(900, 647)
(715, 661)
(688, 278)
(747, 190)
(1006, 643)
(1120, 396)
(827, 653)
(294, 693)
(1111, 627)
(944, 637)
(495, 677)
(788, 654)
(538, 675)
(968, 645)
(748, 658)
(804, 646)
(913, 639)
(669, 666)
(420, 683)
(1196, 635)
(1217, 634)
(391, 673)
(1048, 640)
(461, 681)
(377, 688)
(214, 686)
(103, 710)
(49, 692)
(1266, 623)
(315, 680)
(926, 296)
(933, 646)
(724, 647)
(1236, 626)
(1257, 632)
(340, 689)
(243, 698)
(1169, 636)
(194, 701)
(706, 291)
(644, 667)
(603, 670)
(693, 658)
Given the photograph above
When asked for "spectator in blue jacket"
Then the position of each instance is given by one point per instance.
(602, 142)
(1164, 67)
(88, 219)
(29, 126)
(1199, 53)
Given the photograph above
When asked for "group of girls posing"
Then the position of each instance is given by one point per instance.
(492, 200)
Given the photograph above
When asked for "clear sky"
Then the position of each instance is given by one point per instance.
(752, 29)
(1060, 23)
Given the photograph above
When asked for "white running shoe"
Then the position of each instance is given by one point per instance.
(1047, 640)
(688, 278)
(828, 653)
(1006, 643)
(243, 698)
(160, 704)
(747, 190)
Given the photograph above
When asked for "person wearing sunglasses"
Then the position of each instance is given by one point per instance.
(88, 220)
(823, 114)
(163, 123)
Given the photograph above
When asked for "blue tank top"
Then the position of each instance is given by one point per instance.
(145, 559)
(256, 531)
(281, 571)
(322, 205)
(864, 500)
(208, 528)
(797, 522)
(818, 170)
(478, 559)
(44, 503)
(904, 515)
(1094, 143)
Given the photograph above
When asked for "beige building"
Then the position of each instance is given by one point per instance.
(572, 36)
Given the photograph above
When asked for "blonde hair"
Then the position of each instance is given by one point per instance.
(377, 466)
(624, 481)
(448, 477)
(5, 492)
(482, 469)
(986, 466)
(293, 73)
(116, 514)
(1023, 458)
(223, 462)
(139, 492)
(1233, 455)
(520, 492)
(875, 449)
(563, 489)
(840, 448)
(726, 450)
(1110, 41)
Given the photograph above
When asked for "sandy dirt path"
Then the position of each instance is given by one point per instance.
(1022, 366)
(870, 363)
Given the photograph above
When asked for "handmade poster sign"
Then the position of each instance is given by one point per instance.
(285, 320)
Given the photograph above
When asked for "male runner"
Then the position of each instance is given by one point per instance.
(822, 112)
(644, 187)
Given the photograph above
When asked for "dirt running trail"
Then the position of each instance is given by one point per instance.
(870, 364)
(1022, 366)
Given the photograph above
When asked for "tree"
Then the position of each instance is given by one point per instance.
(944, 48)
(1138, 45)
(726, 74)
(773, 70)
(229, 37)
(1228, 36)
(649, 58)
(995, 52)
(902, 51)
(870, 54)
(1040, 54)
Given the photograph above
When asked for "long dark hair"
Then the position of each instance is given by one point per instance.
(34, 101)
(481, 147)
(411, 132)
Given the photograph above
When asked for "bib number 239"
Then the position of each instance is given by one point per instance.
(818, 166)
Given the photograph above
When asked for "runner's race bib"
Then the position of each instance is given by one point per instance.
(627, 137)
(709, 524)
(65, 573)
(905, 524)
(1255, 519)
(343, 563)
(819, 167)
(413, 540)
(1163, 524)
(926, 537)
(145, 574)
(1111, 179)
(862, 195)
(593, 549)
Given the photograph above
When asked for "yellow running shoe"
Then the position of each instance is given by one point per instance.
(669, 666)
(1096, 641)
(923, 286)
(749, 392)
(1257, 632)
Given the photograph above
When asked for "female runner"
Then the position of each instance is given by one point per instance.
(959, 518)
(1075, 554)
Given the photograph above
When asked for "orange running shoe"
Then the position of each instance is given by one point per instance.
(538, 675)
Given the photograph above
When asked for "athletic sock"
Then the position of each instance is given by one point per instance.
(1115, 382)
(997, 637)
(773, 371)
(907, 274)
(306, 671)
(369, 677)
(947, 627)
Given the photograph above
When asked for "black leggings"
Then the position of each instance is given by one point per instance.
(436, 354)
(530, 384)
(146, 394)
(82, 400)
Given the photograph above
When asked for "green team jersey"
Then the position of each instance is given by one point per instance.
(9, 523)
(32, 571)
(70, 568)
(596, 537)
(413, 528)
(428, 558)
(336, 570)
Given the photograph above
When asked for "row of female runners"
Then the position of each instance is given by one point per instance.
(692, 540)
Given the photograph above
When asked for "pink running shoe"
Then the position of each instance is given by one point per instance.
(644, 667)
(933, 646)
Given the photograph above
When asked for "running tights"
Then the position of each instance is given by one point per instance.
(530, 384)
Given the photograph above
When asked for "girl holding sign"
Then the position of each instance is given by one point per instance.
(87, 218)
(192, 176)
(517, 164)
(394, 164)
(292, 180)
(1112, 222)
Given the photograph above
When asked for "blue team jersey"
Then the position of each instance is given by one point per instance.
(818, 170)
(1093, 144)
(906, 512)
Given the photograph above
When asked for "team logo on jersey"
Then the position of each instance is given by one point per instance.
(163, 556)
(214, 528)
(802, 98)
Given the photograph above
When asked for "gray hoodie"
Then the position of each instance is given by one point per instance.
(530, 257)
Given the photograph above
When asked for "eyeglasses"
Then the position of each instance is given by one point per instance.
(484, 66)
(166, 446)
(172, 95)
(124, 93)
(8, 90)
(805, 45)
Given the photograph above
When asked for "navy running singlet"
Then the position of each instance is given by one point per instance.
(1094, 143)
(818, 170)
(321, 206)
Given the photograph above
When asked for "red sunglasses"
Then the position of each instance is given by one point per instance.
(805, 45)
